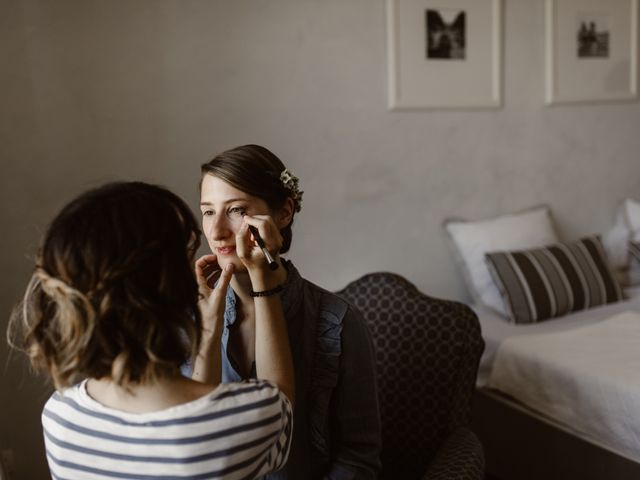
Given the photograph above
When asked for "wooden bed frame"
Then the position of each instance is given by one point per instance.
(520, 444)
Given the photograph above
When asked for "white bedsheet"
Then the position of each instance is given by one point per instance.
(587, 378)
(582, 370)
(495, 329)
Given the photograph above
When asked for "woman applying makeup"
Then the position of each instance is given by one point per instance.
(111, 313)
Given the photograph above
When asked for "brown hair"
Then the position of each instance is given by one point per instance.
(255, 170)
(113, 293)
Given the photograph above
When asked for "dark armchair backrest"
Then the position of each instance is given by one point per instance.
(427, 355)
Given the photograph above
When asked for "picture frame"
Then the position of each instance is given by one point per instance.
(591, 51)
(444, 54)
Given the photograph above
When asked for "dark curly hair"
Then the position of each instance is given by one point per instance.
(113, 294)
(255, 170)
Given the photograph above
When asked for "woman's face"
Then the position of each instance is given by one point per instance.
(223, 207)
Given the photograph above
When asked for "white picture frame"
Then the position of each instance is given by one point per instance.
(591, 51)
(424, 75)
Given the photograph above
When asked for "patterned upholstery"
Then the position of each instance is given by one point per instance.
(427, 355)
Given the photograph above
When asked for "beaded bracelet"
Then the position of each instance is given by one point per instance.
(267, 293)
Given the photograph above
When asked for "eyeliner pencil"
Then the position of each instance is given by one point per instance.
(272, 263)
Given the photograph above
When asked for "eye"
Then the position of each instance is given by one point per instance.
(236, 212)
(207, 213)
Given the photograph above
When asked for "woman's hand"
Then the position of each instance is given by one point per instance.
(207, 363)
(212, 295)
(272, 350)
(247, 247)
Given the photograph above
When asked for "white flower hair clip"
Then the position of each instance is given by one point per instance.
(291, 183)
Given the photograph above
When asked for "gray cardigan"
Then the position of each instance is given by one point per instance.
(336, 428)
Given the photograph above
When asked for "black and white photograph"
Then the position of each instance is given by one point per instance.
(446, 34)
(593, 35)
(592, 50)
(444, 54)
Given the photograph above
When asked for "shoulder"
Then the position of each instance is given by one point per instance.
(333, 304)
(335, 310)
(329, 301)
(251, 395)
(65, 406)
(255, 406)
(247, 389)
(60, 400)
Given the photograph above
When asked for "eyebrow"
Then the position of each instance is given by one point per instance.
(227, 201)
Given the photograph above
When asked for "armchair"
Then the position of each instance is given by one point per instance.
(427, 355)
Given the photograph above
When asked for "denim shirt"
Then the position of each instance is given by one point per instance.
(336, 428)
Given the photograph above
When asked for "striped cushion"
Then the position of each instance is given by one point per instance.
(634, 249)
(552, 281)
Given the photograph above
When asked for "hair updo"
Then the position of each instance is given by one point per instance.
(114, 293)
(257, 171)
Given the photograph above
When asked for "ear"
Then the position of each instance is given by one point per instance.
(285, 214)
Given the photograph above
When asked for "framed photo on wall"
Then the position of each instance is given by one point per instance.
(592, 50)
(444, 54)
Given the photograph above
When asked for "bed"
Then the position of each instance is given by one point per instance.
(561, 398)
(559, 383)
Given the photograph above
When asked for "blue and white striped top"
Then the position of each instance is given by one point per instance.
(238, 431)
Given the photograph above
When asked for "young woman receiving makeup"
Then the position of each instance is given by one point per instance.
(336, 420)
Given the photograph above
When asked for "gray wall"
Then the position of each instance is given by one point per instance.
(96, 90)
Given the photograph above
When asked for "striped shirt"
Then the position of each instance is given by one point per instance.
(238, 431)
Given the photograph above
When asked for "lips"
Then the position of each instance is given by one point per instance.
(226, 250)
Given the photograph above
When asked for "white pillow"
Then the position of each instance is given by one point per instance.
(616, 242)
(516, 231)
(633, 215)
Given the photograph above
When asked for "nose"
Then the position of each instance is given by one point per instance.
(218, 228)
